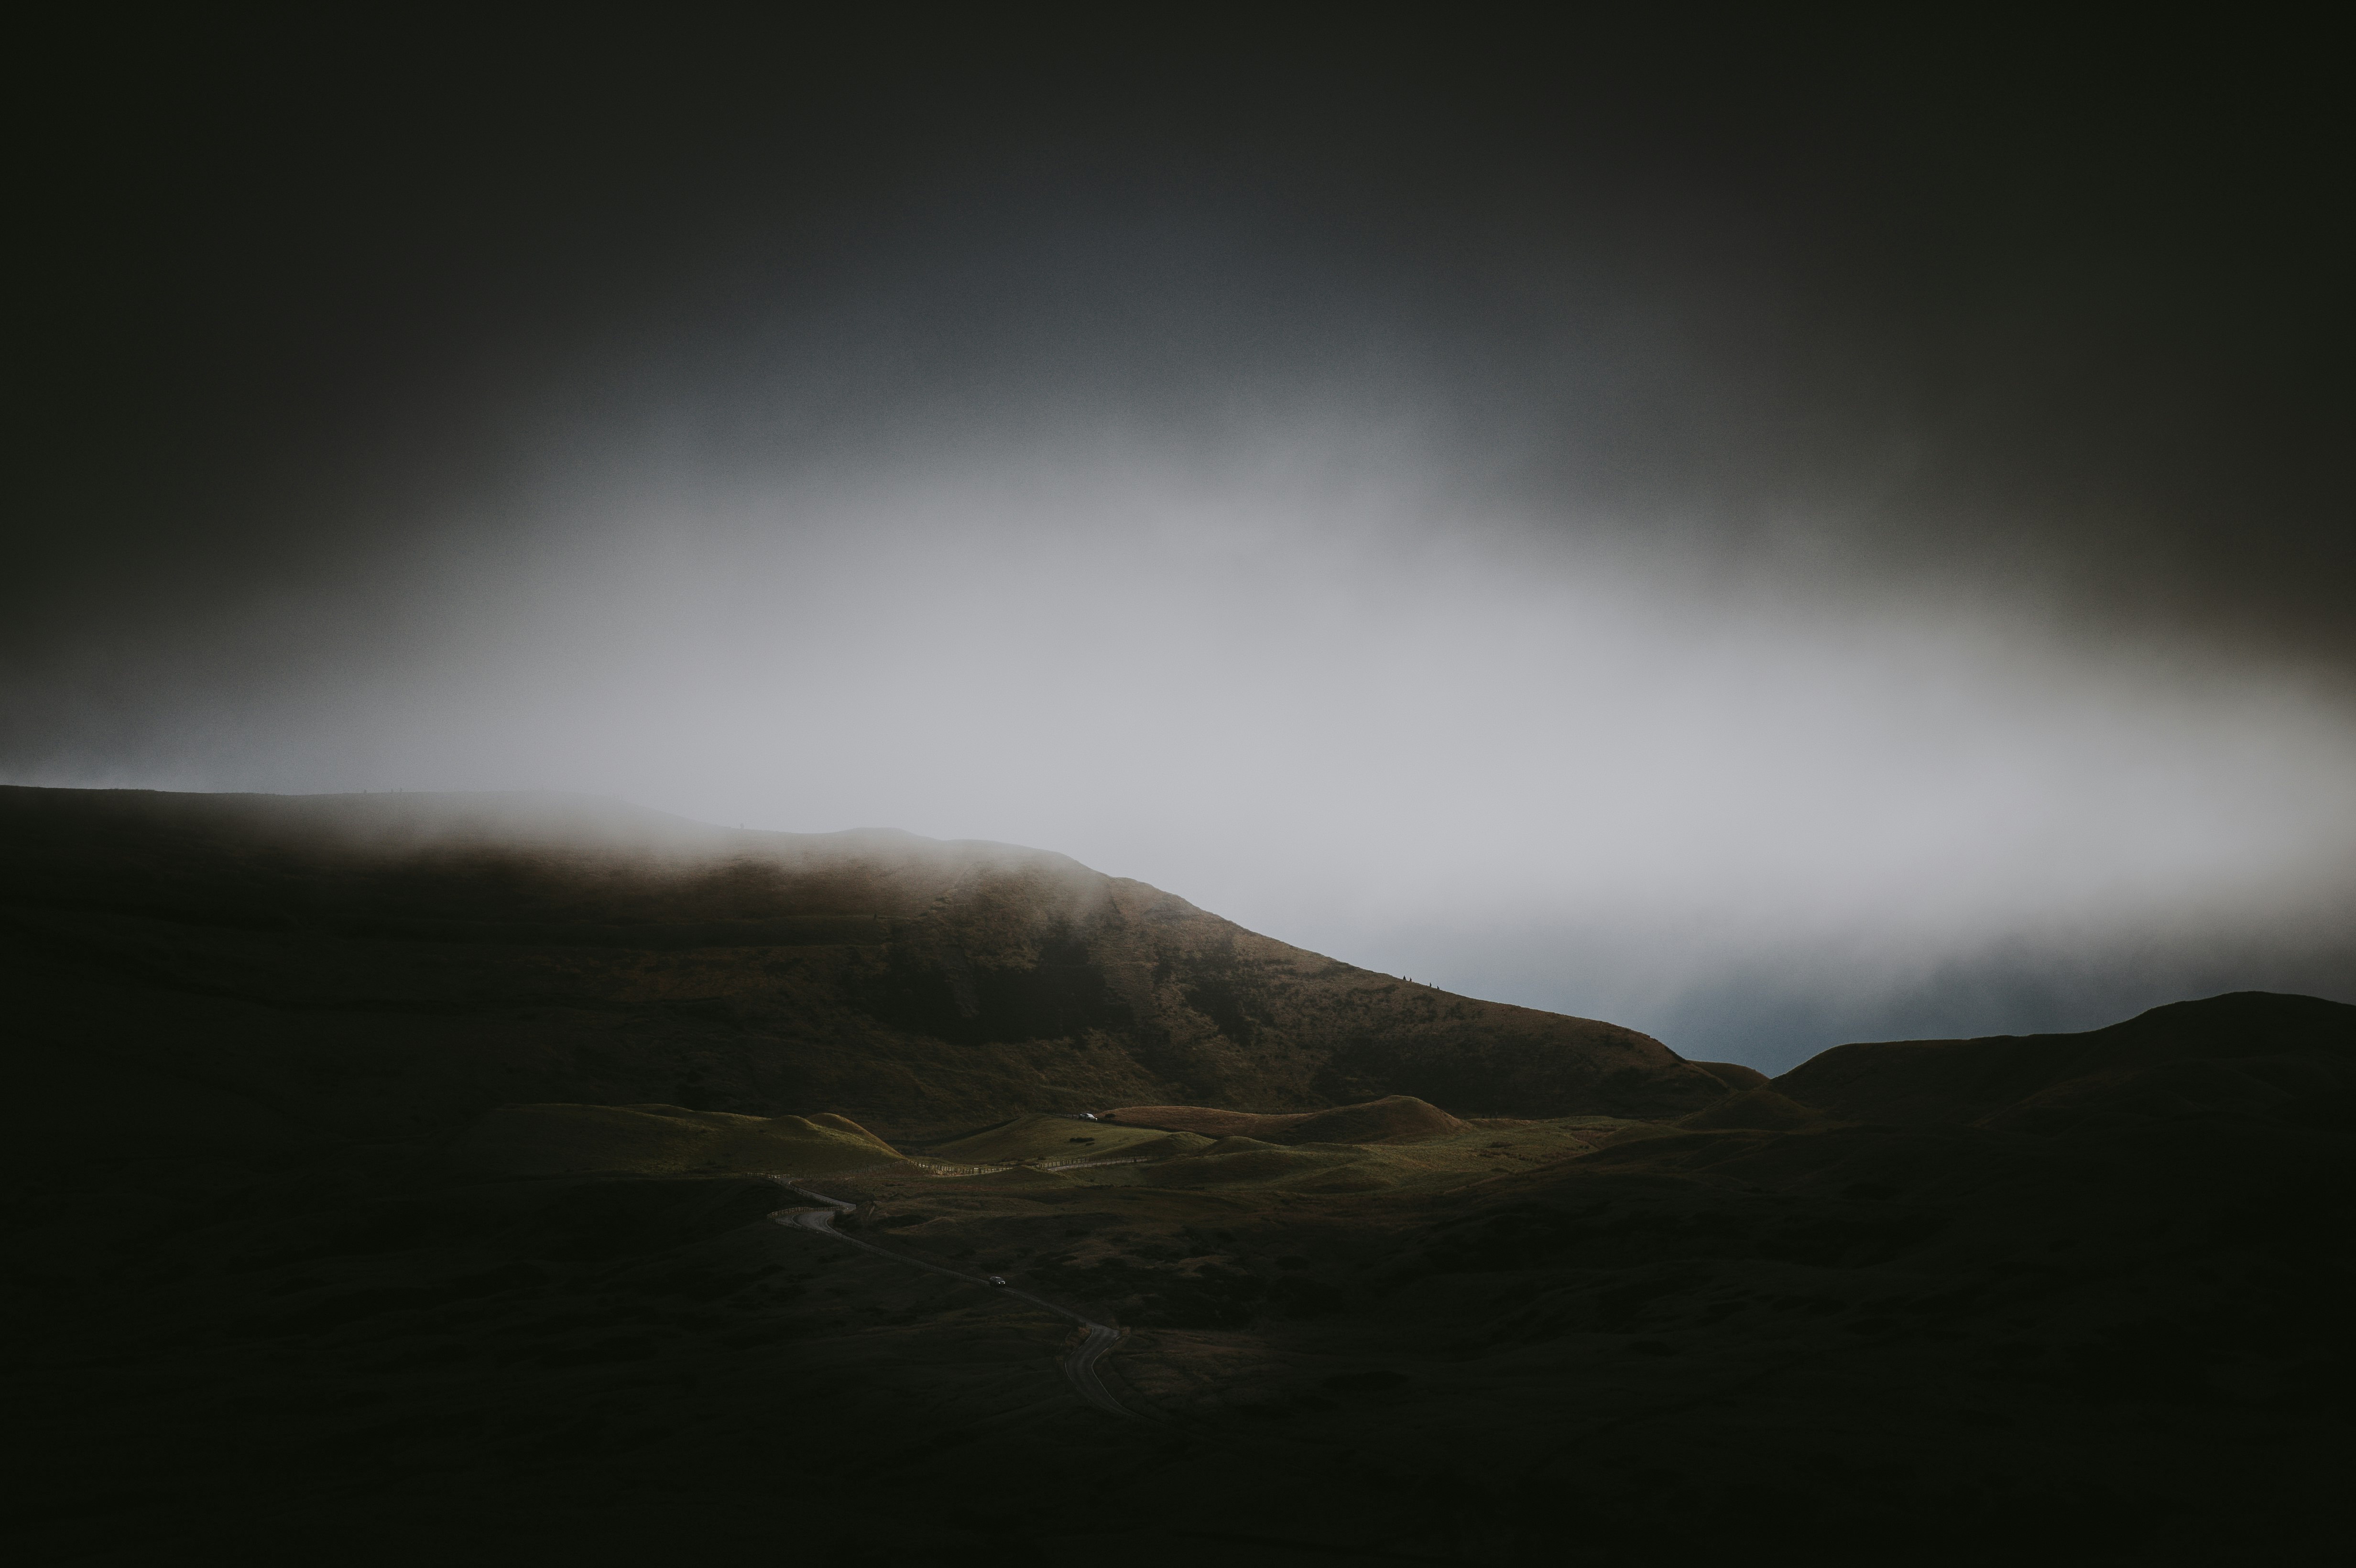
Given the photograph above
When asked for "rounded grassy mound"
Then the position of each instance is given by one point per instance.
(1052, 1139)
(565, 1140)
(1759, 1109)
(1394, 1118)
(1238, 1160)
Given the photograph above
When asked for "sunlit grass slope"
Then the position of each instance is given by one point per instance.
(1066, 1138)
(1235, 1165)
(1394, 1118)
(560, 1140)
(1437, 1163)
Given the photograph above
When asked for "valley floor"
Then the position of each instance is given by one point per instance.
(1851, 1342)
(388, 1180)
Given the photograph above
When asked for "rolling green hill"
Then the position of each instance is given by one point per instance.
(392, 966)
(387, 1184)
(1394, 1118)
(567, 1140)
(2249, 1054)
(1063, 1138)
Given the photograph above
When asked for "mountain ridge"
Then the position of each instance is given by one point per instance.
(430, 1186)
(2260, 1053)
(574, 949)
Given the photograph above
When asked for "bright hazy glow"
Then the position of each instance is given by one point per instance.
(1308, 693)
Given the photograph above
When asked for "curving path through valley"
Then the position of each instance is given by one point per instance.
(1080, 1366)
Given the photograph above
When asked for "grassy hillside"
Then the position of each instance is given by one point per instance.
(1775, 1331)
(566, 1140)
(396, 967)
(386, 1179)
(2252, 1053)
(1062, 1138)
(1394, 1118)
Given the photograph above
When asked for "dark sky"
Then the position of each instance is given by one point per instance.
(1769, 532)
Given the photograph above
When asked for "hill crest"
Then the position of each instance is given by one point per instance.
(2250, 1052)
(568, 949)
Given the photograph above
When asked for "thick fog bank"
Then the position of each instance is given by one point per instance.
(1749, 812)
(1746, 536)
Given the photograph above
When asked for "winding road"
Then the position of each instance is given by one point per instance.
(1080, 1366)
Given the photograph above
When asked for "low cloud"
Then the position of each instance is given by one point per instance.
(1314, 691)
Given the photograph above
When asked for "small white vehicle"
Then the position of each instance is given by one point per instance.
(998, 1279)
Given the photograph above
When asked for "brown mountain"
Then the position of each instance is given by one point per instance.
(294, 1282)
(2249, 1054)
(396, 965)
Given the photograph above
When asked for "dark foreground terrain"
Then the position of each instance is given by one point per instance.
(347, 1230)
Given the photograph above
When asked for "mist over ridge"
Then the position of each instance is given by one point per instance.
(1587, 777)
(1376, 786)
(1610, 540)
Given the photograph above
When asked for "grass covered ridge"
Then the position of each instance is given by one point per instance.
(1058, 1138)
(565, 1140)
(1393, 1118)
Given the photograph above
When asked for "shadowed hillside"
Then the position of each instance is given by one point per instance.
(392, 1181)
(1396, 1118)
(255, 966)
(2252, 1054)
(1909, 1311)
(568, 1140)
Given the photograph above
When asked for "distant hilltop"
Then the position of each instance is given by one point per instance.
(417, 960)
